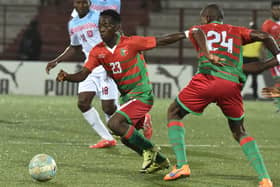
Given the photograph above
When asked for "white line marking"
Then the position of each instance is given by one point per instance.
(161, 145)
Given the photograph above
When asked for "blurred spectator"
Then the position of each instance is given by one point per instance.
(252, 53)
(30, 45)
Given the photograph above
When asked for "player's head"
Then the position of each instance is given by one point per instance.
(109, 24)
(211, 13)
(275, 10)
(82, 7)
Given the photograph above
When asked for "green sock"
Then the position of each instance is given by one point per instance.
(252, 152)
(277, 102)
(136, 138)
(176, 134)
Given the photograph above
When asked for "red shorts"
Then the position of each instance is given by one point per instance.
(134, 111)
(205, 89)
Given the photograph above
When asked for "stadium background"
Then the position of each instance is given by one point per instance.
(154, 17)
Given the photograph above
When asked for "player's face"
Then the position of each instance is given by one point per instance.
(82, 7)
(275, 10)
(107, 29)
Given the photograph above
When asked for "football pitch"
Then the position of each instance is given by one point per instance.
(53, 125)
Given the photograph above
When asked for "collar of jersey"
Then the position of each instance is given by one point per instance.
(219, 22)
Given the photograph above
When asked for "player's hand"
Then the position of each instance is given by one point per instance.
(51, 65)
(271, 92)
(61, 76)
(216, 60)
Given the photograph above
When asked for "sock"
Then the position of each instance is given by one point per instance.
(94, 120)
(176, 135)
(251, 150)
(107, 117)
(136, 138)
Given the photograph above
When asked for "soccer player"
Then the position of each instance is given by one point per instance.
(220, 85)
(272, 26)
(122, 59)
(84, 35)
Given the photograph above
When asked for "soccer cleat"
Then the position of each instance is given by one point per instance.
(184, 171)
(265, 183)
(104, 144)
(148, 129)
(154, 167)
(149, 157)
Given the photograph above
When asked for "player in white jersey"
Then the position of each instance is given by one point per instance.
(100, 5)
(84, 34)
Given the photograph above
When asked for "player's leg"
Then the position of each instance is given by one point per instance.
(231, 104)
(250, 149)
(123, 123)
(87, 91)
(188, 101)
(176, 135)
(277, 100)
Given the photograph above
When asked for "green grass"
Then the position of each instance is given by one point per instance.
(53, 125)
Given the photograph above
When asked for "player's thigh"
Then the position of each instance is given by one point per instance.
(196, 96)
(230, 101)
(134, 112)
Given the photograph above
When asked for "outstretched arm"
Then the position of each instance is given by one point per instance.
(271, 92)
(76, 77)
(258, 67)
(268, 41)
(170, 38)
(69, 52)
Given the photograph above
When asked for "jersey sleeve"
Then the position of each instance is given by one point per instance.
(92, 60)
(191, 37)
(141, 43)
(74, 40)
(245, 34)
(265, 26)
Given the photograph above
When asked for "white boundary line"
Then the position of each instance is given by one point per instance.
(161, 145)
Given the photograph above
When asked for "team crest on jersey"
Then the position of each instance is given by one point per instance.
(101, 56)
(123, 52)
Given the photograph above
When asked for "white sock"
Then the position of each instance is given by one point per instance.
(94, 120)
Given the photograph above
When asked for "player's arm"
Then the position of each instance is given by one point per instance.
(170, 38)
(67, 54)
(271, 92)
(76, 77)
(258, 67)
(201, 43)
(268, 41)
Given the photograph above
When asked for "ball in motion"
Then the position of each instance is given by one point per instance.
(42, 167)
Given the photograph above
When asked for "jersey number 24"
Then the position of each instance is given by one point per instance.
(219, 38)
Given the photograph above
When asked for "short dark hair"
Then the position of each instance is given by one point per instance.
(116, 18)
(214, 11)
(275, 3)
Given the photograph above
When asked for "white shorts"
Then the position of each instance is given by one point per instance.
(103, 85)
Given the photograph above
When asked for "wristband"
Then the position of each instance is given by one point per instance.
(187, 33)
(278, 58)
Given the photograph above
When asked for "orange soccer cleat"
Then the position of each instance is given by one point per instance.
(184, 171)
(104, 144)
(148, 129)
(265, 183)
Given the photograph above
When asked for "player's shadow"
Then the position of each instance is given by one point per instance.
(10, 122)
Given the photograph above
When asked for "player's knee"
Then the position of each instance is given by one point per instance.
(109, 110)
(83, 106)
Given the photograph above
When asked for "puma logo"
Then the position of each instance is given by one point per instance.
(12, 74)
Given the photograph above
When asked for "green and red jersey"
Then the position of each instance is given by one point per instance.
(273, 27)
(225, 41)
(126, 65)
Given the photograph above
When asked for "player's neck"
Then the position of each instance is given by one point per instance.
(114, 41)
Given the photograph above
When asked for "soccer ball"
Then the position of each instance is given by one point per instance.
(42, 167)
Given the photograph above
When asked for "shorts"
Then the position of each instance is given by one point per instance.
(134, 111)
(205, 89)
(104, 86)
